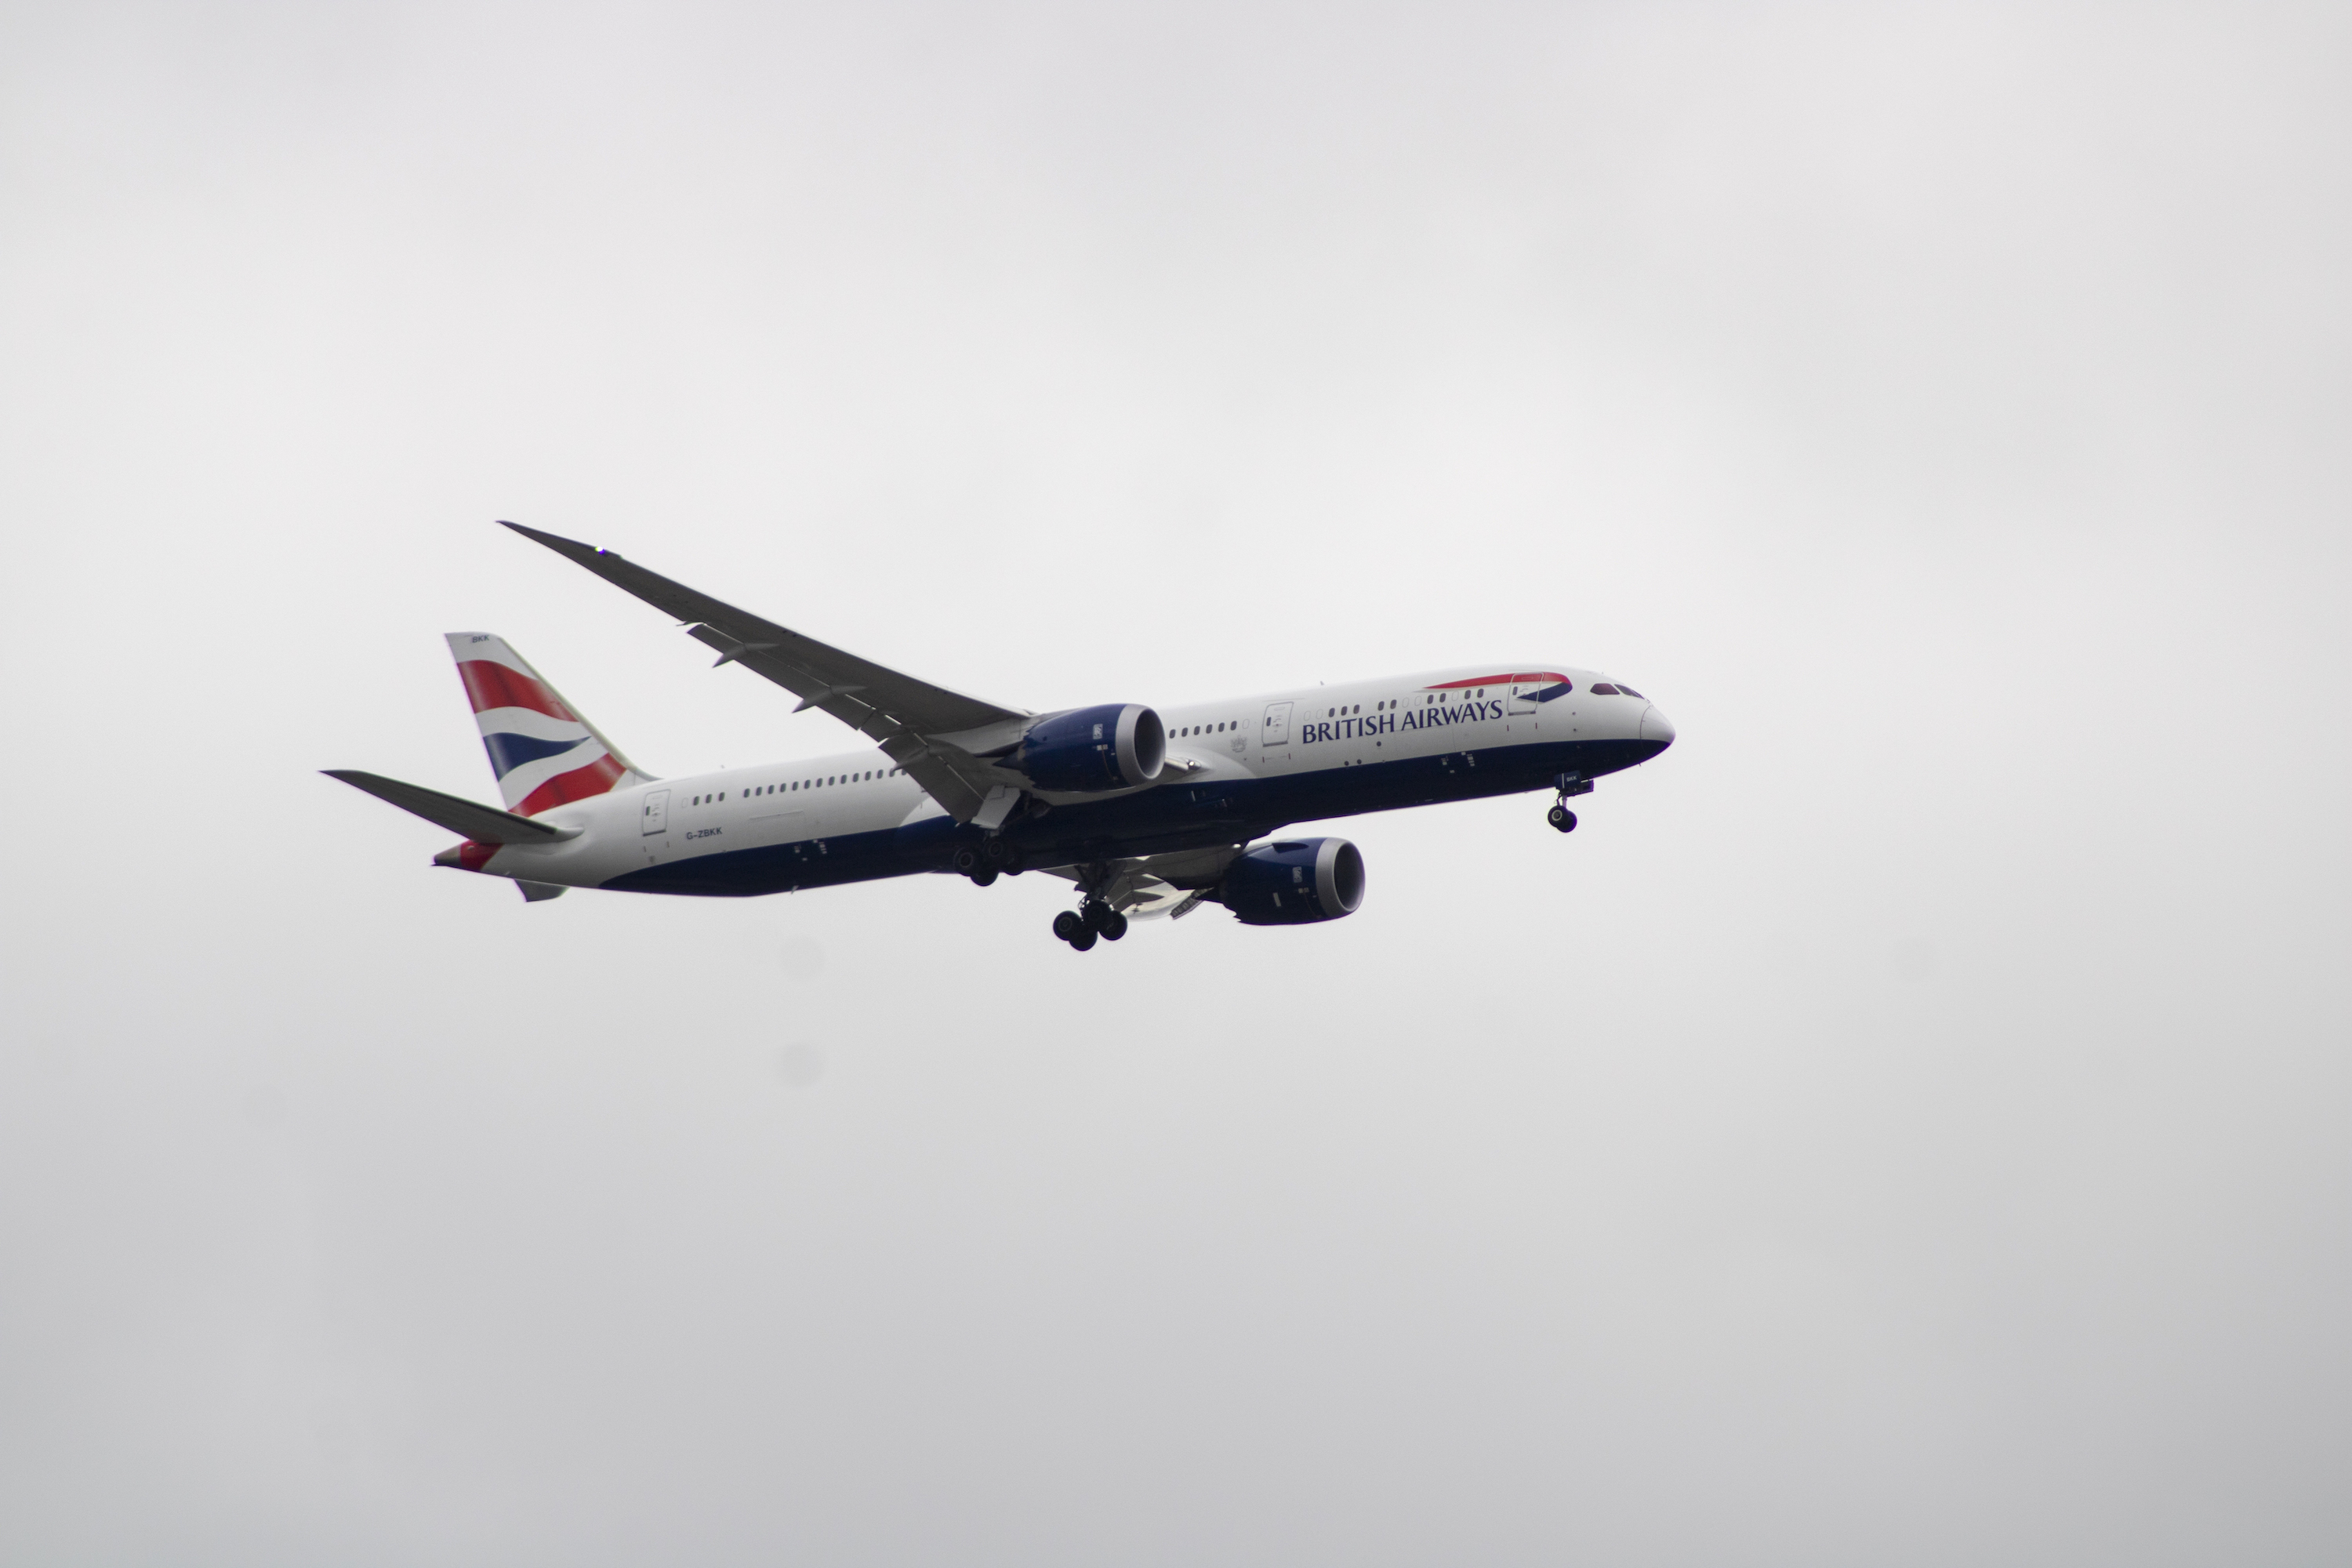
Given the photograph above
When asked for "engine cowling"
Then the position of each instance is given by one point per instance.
(1294, 881)
(1116, 746)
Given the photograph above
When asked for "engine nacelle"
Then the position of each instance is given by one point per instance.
(1294, 881)
(1117, 746)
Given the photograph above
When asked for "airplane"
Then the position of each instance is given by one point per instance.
(1149, 812)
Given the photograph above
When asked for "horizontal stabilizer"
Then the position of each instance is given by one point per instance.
(482, 823)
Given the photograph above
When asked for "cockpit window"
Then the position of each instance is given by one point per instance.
(1625, 691)
(1603, 689)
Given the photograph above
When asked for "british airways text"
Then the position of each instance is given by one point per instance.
(1387, 723)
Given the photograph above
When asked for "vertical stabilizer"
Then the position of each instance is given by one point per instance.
(543, 752)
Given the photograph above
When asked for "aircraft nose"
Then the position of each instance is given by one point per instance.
(1656, 726)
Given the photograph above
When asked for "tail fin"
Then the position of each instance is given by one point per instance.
(543, 752)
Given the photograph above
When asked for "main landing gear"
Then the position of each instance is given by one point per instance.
(1092, 920)
(983, 862)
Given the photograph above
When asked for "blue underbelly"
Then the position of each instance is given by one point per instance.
(1158, 821)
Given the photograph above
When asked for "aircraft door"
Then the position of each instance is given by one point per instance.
(1523, 695)
(1273, 736)
(656, 812)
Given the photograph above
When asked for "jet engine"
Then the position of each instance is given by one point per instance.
(1117, 746)
(1294, 881)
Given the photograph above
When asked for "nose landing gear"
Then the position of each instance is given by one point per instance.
(1559, 817)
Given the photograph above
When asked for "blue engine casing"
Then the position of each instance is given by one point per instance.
(1116, 746)
(1294, 881)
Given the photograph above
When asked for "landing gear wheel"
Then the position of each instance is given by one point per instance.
(1001, 854)
(1112, 924)
(1083, 941)
(983, 877)
(1066, 925)
(966, 860)
(1559, 817)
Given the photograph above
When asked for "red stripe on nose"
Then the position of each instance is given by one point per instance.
(1496, 680)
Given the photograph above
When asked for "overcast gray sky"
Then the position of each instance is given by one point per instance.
(1906, 1125)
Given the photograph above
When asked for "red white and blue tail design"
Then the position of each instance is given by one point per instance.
(543, 752)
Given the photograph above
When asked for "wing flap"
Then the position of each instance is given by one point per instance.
(1145, 886)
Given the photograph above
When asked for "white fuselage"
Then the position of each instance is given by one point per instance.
(1440, 735)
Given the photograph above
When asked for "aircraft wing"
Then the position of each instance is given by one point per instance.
(908, 717)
